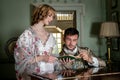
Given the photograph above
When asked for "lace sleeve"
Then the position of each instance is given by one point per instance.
(23, 52)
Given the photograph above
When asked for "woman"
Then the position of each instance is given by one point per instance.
(35, 46)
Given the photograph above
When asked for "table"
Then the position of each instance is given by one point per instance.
(110, 72)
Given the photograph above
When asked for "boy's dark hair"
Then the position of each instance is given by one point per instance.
(71, 31)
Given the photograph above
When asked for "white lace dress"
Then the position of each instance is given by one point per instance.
(27, 47)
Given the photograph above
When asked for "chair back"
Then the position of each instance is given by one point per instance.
(9, 48)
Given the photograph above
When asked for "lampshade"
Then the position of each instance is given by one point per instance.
(109, 29)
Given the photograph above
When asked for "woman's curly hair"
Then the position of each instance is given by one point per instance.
(41, 12)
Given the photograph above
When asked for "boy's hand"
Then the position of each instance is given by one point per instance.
(86, 56)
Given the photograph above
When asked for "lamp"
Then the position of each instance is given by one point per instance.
(109, 30)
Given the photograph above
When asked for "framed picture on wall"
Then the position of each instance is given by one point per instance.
(114, 4)
(115, 44)
(114, 16)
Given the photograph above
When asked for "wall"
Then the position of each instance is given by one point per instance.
(14, 18)
(94, 14)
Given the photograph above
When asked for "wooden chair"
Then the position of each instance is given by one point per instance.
(9, 48)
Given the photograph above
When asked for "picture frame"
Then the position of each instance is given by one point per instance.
(114, 4)
(115, 44)
(114, 16)
(115, 41)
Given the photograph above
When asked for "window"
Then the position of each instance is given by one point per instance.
(57, 33)
(66, 19)
(58, 37)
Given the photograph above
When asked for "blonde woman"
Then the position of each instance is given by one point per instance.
(35, 45)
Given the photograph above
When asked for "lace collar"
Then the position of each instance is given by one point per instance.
(67, 51)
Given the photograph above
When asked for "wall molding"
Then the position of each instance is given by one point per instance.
(57, 1)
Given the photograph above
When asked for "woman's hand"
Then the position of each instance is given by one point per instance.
(47, 58)
(44, 58)
(52, 59)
